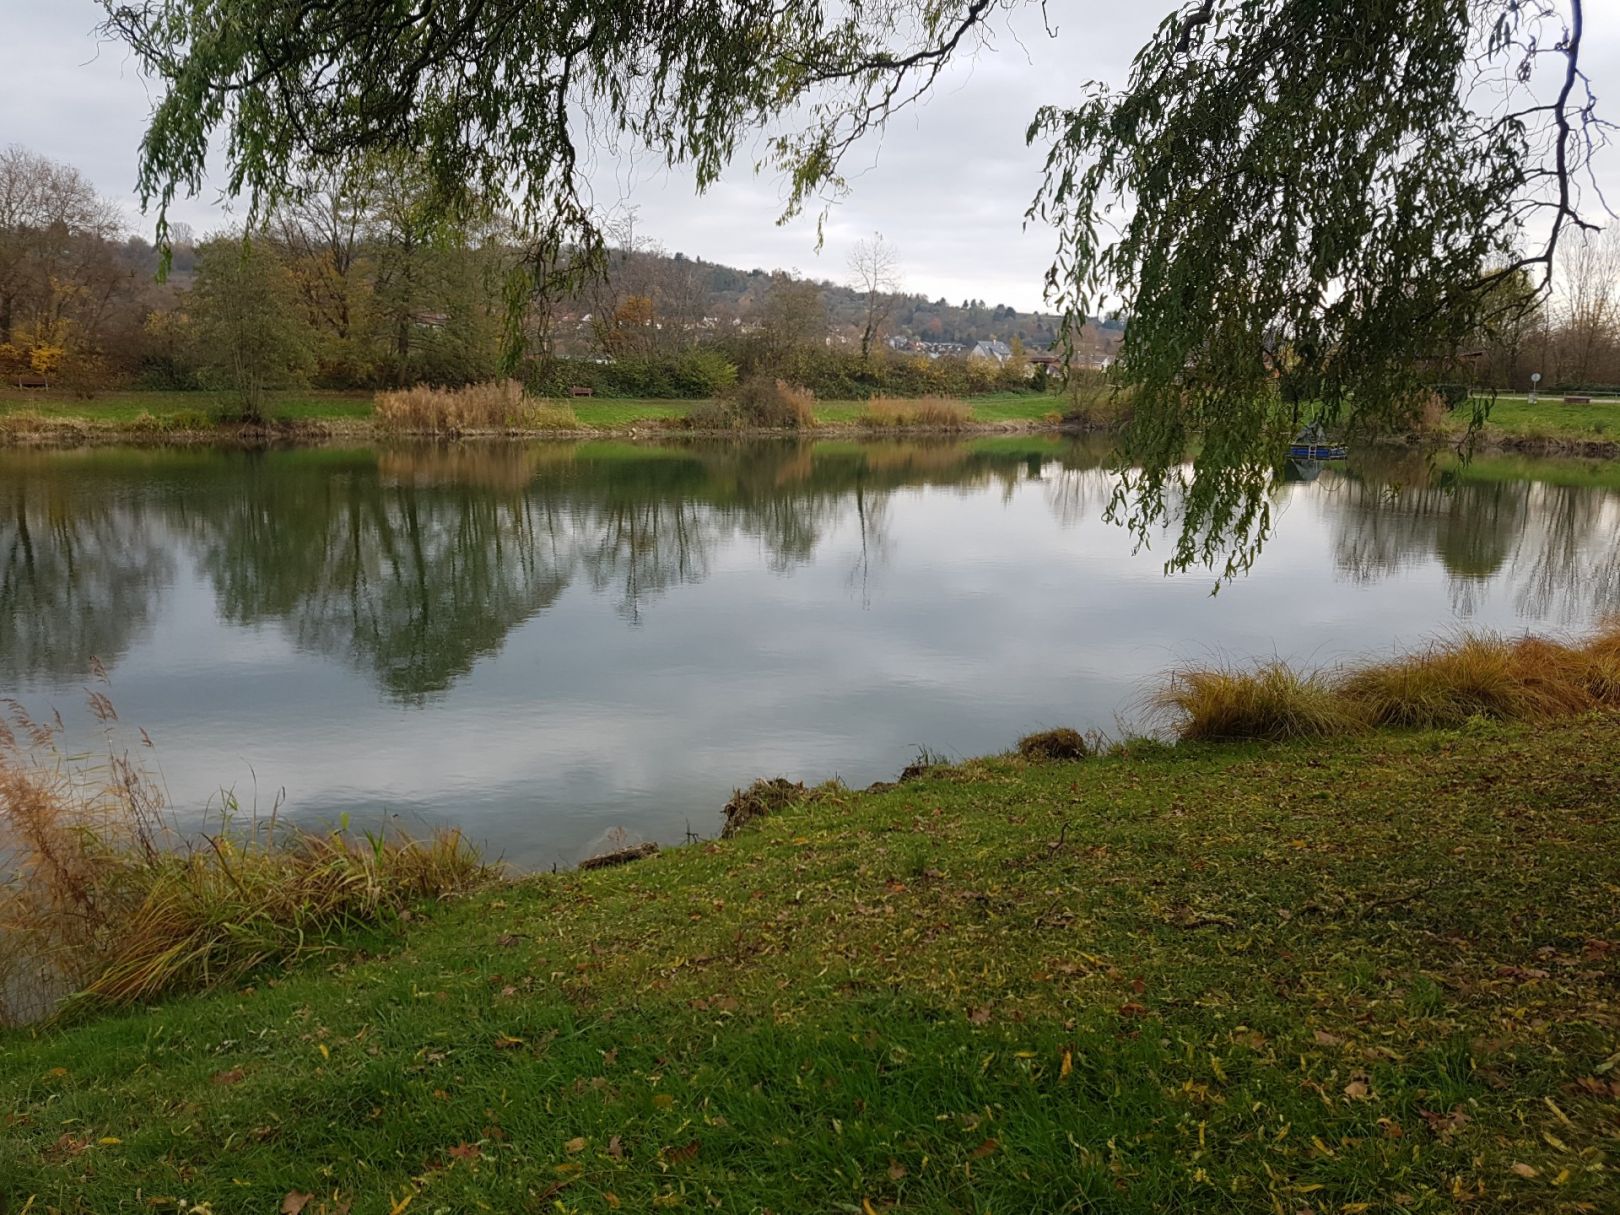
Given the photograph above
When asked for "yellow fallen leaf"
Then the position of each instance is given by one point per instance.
(1068, 1066)
(109, 1140)
(399, 1204)
(1525, 1170)
(867, 1208)
(325, 1054)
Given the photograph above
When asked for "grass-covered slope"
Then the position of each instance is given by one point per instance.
(1378, 974)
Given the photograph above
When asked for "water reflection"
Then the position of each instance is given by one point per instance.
(79, 573)
(413, 564)
(1557, 543)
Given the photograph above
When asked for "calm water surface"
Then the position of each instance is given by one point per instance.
(549, 643)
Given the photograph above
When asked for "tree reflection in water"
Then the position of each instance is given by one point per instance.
(1558, 542)
(80, 571)
(413, 563)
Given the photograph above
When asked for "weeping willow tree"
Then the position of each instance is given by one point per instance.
(1319, 203)
(1295, 202)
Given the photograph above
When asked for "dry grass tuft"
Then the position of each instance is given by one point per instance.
(107, 904)
(758, 403)
(497, 405)
(550, 415)
(1272, 701)
(767, 797)
(1444, 686)
(1053, 745)
(1475, 676)
(938, 413)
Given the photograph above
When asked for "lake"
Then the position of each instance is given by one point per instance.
(559, 645)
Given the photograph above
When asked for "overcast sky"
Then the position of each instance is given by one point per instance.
(947, 185)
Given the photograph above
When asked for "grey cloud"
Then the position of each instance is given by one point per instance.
(948, 183)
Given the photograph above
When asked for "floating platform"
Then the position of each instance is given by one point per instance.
(1315, 451)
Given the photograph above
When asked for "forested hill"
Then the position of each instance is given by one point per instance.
(729, 292)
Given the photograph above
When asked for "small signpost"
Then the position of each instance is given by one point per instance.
(1535, 378)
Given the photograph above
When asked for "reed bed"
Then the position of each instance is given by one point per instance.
(500, 405)
(938, 413)
(1442, 686)
(104, 903)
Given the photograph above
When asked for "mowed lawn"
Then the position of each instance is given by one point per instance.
(1376, 975)
(1549, 418)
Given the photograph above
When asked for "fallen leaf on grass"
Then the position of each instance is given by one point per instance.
(616, 1148)
(979, 1016)
(1323, 1038)
(896, 1170)
(1525, 1170)
(506, 1042)
(294, 1202)
(466, 1151)
(681, 1155)
(983, 1150)
(576, 1144)
(1359, 1088)
(234, 1076)
(1067, 1066)
(1132, 1009)
(1443, 1125)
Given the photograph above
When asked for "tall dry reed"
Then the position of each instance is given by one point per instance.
(495, 406)
(937, 413)
(104, 902)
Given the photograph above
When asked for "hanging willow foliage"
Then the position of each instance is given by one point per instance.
(1300, 204)
(1305, 209)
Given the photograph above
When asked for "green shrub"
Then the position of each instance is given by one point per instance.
(703, 372)
(189, 420)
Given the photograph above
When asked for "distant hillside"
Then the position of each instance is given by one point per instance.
(726, 294)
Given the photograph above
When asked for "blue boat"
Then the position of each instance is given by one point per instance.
(1315, 451)
(1311, 444)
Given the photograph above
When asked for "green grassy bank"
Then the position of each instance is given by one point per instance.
(137, 412)
(1549, 422)
(1548, 425)
(1380, 973)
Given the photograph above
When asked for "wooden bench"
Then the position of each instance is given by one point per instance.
(579, 390)
(32, 381)
(1577, 400)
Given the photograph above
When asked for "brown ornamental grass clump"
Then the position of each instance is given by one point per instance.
(1272, 701)
(496, 405)
(1443, 686)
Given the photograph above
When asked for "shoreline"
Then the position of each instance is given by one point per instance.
(1000, 980)
(63, 433)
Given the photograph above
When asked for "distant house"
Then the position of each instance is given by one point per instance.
(997, 350)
